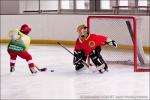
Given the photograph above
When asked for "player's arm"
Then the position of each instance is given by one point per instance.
(104, 40)
(14, 34)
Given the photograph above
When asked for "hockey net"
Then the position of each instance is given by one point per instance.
(126, 31)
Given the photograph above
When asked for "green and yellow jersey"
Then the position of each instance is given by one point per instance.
(19, 41)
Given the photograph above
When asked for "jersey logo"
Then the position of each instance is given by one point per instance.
(91, 43)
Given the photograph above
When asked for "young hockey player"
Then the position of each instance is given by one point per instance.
(88, 45)
(18, 46)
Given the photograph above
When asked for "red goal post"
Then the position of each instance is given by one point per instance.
(128, 24)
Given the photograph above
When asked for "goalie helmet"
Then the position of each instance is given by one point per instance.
(80, 27)
(25, 29)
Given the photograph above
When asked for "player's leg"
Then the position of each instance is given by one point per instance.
(13, 57)
(28, 57)
(77, 61)
(98, 59)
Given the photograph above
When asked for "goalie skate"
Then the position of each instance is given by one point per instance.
(102, 68)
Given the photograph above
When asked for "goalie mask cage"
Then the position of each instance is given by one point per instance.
(126, 31)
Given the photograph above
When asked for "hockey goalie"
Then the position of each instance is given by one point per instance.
(88, 47)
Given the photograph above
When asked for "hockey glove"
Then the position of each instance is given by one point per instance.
(111, 43)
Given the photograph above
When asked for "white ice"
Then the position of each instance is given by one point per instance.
(121, 82)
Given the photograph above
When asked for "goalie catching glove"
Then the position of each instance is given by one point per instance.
(111, 43)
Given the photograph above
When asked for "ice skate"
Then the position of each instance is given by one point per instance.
(12, 69)
(33, 71)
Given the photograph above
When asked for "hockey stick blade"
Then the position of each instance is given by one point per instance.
(41, 69)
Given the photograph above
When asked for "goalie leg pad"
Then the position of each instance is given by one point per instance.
(80, 67)
(79, 56)
(98, 59)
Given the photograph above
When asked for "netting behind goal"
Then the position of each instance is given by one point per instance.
(122, 29)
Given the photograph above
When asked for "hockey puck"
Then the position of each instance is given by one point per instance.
(52, 70)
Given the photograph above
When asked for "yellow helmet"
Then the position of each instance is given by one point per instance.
(80, 27)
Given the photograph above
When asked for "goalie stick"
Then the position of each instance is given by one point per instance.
(87, 65)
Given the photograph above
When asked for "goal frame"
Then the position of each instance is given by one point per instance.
(136, 68)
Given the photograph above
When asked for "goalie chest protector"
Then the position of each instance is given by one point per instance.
(90, 43)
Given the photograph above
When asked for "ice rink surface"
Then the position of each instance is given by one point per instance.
(65, 83)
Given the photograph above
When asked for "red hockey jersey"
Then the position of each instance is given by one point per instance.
(90, 43)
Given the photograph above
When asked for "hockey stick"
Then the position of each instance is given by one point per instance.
(41, 69)
(73, 54)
